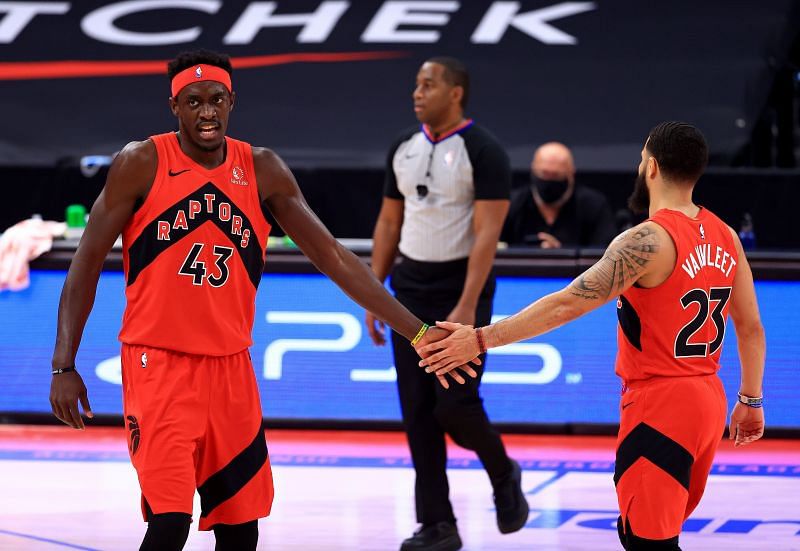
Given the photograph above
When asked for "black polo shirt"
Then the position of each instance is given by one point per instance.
(585, 220)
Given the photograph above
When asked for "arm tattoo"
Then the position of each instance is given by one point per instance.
(621, 265)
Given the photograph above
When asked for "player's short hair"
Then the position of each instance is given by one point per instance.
(187, 59)
(680, 149)
(455, 74)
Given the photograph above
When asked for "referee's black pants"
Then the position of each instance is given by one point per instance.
(431, 290)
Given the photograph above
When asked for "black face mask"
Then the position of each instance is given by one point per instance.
(550, 190)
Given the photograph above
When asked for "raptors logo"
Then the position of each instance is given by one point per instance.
(133, 427)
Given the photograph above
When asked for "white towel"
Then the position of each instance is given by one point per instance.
(20, 244)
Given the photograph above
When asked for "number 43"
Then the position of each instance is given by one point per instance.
(197, 270)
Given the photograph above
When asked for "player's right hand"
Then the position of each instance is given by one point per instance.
(435, 335)
(376, 329)
(66, 390)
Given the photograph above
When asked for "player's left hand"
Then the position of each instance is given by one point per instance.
(746, 426)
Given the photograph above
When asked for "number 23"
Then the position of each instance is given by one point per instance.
(718, 295)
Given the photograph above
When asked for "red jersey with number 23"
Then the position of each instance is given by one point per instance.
(677, 328)
(194, 254)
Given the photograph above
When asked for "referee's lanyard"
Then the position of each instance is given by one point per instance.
(422, 189)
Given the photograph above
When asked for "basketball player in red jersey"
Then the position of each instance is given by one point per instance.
(188, 205)
(675, 278)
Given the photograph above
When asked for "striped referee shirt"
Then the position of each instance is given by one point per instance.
(439, 179)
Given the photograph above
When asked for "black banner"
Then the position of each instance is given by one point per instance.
(328, 83)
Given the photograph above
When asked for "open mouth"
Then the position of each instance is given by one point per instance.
(208, 131)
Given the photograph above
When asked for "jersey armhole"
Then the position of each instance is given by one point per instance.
(246, 151)
(161, 162)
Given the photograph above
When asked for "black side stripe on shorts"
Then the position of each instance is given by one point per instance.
(662, 451)
(225, 483)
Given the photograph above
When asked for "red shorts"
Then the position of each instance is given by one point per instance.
(195, 423)
(669, 431)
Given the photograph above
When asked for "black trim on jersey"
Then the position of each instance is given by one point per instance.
(630, 323)
(390, 188)
(463, 125)
(659, 449)
(146, 248)
(226, 483)
(491, 167)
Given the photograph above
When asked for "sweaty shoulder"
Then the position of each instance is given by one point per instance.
(139, 153)
(135, 166)
(271, 172)
(267, 162)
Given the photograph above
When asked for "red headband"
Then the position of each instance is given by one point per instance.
(199, 73)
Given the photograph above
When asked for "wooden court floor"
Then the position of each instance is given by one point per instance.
(64, 489)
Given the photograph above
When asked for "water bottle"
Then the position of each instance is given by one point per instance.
(91, 164)
(746, 233)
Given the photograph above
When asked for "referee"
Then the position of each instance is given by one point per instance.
(445, 199)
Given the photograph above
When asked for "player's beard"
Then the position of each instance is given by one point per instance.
(639, 201)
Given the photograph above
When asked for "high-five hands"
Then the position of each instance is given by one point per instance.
(451, 352)
(433, 341)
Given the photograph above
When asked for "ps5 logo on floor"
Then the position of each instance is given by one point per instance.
(351, 337)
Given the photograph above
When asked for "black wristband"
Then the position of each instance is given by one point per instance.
(61, 370)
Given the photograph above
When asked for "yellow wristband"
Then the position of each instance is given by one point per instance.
(421, 332)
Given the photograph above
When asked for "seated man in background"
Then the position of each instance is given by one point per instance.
(553, 212)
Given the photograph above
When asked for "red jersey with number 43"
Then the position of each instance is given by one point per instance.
(677, 328)
(194, 253)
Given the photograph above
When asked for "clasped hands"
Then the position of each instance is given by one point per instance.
(447, 349)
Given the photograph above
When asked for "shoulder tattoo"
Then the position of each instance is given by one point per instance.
(622, 264)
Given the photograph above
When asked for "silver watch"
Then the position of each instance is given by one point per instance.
(749, 401)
